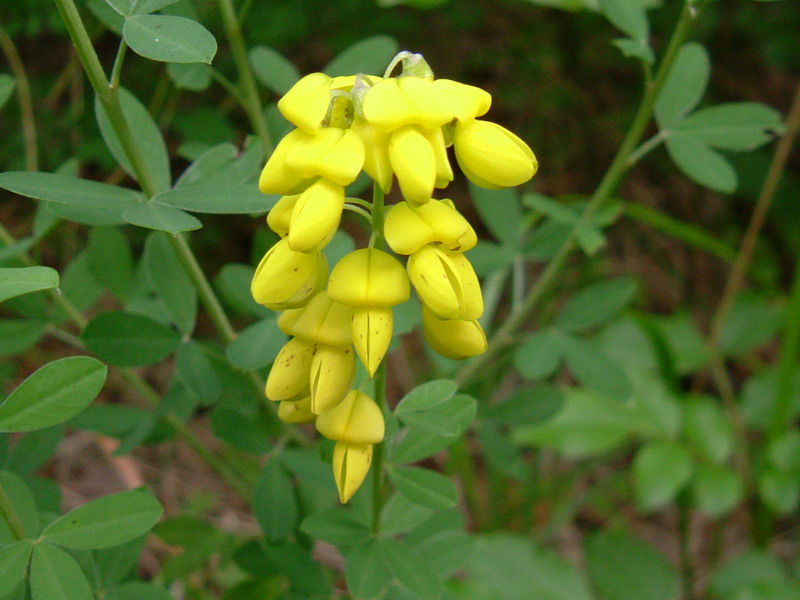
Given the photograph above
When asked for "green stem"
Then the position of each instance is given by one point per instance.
(247, 83)
(116, 71)
(644, 149)
(10, 515)
(25, 100)
(504, 335)
(787, 362)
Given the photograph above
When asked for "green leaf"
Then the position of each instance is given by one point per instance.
(636, 48)
(418, 443)
(138, 590)
(624, 568)
(209, 163)
(501, 455)
(751, 322)
(410, 569)
(660, 470)
(500, 212)
(512, 567)
(196, 372)
(24, 280)
(629, 17)
(424, 487)
(274, 501)
(231, 199)
(24, 504)
(233, 284)
(748, 570)
(256, 346)
(780, 490)
(13, 563)
(593, 368)
(528, 404)
(273, 70)
(450, 418)
(110, 259)
(733, 126)
(707, 429)
(716, 489)
(684, 86)
(116, 564)
(54, 393)
(783, 452)
(365, 571)
(129, 340)
(71, 191)
(105, 522)
(170, 281)
(538, 356)
(195, 77)
(147, 136)
(169, 39)
(56, 576)
(33, 449)
(426, 396)
(126, 8)
(336, 526)
(161, 218)
(7, 85)
(369, 56)
(596, 304)
(700, 163)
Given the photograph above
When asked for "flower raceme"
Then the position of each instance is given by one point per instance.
(392, 128)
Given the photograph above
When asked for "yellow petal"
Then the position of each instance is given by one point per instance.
(357, 419)
(444, 172)
(468, 240)
(386, 107)
(491, 156)
(453, 338)
(315, 216)
(287, 319)
(298, 411)
(306, 103)
(376, 157)
(431, 105)
(372, 334)
(405, 229)
(277, 177)
(466, 101)
(350, 467)
(287, 279)
(446, 222)
(289, 376)
(437, 281)
(369, 277)
(414, 163)
(332, 372)
(324, 321)
(280, 216)
(334, 153)
(472, 298)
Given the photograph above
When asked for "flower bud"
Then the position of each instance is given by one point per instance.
(298, 411)
(405, 230)
(357, 419)
(323, 321)
(350, 467)
(369, 277)
(276, 176)
(414, 163)
(491, 156)
(468, 240)
(444, 172)
(289, 376)
(306, 103)
(376, 157)
(332, 372)
(280, 216)
(333, 153)
(287, 279)
(453, 338)
(445, 283)
(372, 334)
(315, 216)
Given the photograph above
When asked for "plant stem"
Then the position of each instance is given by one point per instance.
(116, 71)
(10, 515)
(780, 418)
(251, 100)
(376, 241)
(503, 336)
(25, 100)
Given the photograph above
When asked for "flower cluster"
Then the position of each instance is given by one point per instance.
(392, 128)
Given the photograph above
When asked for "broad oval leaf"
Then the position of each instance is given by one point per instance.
(170, 281)
(56, 576)
(190, 76)
(24, 280)
(629, 17)
(64, 189)
(274, 502)
(13, 562)
(273, 70)
(700, 163)
(161, 218)
(538, 356)
(169, 39)
(366, 571)
(53, 394)
(660, 470)
(129, 340)
(716, 489)
(107, 521)
(684, 86)
(596, 304)
(256, 346)
(369, 56)
(733, 126)
(427, 396)
(219, 199)
(424, 487)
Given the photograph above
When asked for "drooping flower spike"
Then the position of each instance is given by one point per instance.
(394, 128)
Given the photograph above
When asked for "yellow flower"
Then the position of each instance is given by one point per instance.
(414, 162)
(322, 321)
(357, 419)
(334, 153)
(306, 103)
(289, 376)
(446, 283)
(408, 228)
(280, 216)
(453, 338)
(287, 279)
(315, 216)
(372, 334)
(332, 372)
(376, 148)
(298, 411)
(466, 101)
(350, 467)
(491, 156)
(395, 102)
(276, 176)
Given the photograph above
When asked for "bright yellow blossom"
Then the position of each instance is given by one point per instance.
(287, 279)
(453, 338)
(355, 420)
(350, 467)
(289, 377)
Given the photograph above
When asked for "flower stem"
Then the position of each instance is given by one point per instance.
(25, 101)
(503, 336)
